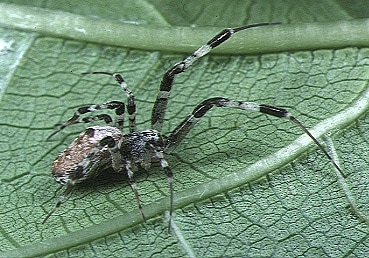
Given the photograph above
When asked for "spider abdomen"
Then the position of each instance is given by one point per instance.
(79, 162)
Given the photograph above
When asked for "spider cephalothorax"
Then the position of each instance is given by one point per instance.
(101, 147)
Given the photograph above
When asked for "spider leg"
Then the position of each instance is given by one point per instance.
(169, 173)
(132, 182)
(187, 124)
(116, 105)
(62, 199)
(131, 106)
(119, 164)
(158, 112)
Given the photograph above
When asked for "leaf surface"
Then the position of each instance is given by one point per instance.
(245, 183)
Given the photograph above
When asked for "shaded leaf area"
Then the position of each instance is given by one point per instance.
(299, 209)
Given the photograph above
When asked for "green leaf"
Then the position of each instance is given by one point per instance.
(245, 184)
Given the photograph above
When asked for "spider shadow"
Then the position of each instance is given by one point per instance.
(109, 180)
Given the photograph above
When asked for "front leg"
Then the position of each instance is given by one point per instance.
(160, 106)
(188, 123)
(118, 106)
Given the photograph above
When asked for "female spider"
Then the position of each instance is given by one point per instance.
(101, 147)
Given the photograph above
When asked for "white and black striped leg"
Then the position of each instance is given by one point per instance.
(119, 164)
(169, 173)
(181, 131)
(116, 105)
(131, 106)
(158, 112)
(132, 182)
(62, 199)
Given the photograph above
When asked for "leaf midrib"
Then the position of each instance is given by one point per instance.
(184, 39)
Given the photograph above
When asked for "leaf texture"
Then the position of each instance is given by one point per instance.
(245, 184)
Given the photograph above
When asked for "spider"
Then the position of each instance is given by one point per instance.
(101, 147)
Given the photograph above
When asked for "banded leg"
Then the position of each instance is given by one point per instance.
(131, 105)
(62, 199)
(132, 182)
(160, 106)
(164, 165)
(119, 164)
(188, 123)
(116, 105)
